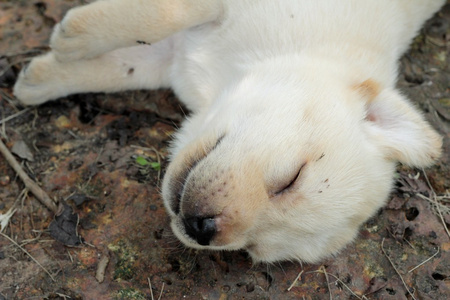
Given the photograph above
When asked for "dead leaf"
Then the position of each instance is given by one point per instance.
(376, 284)
(396, 202)
(79, 199)
(412, 183)
(64, 227)
(22, 150)
(7, 76)
(4, 219)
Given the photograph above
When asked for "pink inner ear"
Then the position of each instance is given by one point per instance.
(386, 116)
(398, 121)
(400, 131)
(371, 117)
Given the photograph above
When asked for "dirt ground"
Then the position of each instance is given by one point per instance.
(104, 155)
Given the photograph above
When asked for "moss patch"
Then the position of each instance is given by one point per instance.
(130, 293)
(125, 268)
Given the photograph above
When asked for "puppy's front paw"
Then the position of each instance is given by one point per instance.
(80, 35)
(35, 83)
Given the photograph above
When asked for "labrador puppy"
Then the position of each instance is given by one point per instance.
(296, 125)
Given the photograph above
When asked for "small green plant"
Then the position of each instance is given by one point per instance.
(143, 162)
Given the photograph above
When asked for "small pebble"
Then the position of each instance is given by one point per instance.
(62, 122)
(5, 180)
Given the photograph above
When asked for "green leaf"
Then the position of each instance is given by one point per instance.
(155, 165)
(141, 161)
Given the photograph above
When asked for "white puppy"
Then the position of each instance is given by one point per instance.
(296, 124)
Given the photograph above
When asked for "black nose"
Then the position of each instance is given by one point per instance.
(200, 229)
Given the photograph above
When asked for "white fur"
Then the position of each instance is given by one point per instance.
(272, 86)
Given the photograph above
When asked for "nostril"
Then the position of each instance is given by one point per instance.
(200, 229)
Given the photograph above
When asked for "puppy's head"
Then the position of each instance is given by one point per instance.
(288, 167)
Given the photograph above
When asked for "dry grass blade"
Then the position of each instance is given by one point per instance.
(150, 286)
(151, 290)
(328, 280)
(341, 282)
(27, 253)
(30, 184)
(295, 280)
(435, 201)
(63, 296)
(437, 205)
(425, 261)
(398, 273)
(160, 294)
(14, 115)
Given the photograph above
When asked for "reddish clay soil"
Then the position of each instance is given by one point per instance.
(104, 156)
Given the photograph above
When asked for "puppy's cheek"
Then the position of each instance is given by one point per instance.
(182, 164)
(172, 191)
(174, 181)
(169, 187)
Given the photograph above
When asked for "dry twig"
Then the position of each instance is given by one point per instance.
(27, 253)
(398, 273)
(30, 184)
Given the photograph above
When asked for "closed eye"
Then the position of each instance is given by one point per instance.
(288, 186)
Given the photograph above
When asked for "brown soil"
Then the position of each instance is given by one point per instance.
(88, 150)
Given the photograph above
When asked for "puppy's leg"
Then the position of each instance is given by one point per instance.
(102, 26)
(417, 12)
(135, 67)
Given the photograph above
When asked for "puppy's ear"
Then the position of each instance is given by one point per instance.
(397, 128)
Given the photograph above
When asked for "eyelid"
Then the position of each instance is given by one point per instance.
(292, 182)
